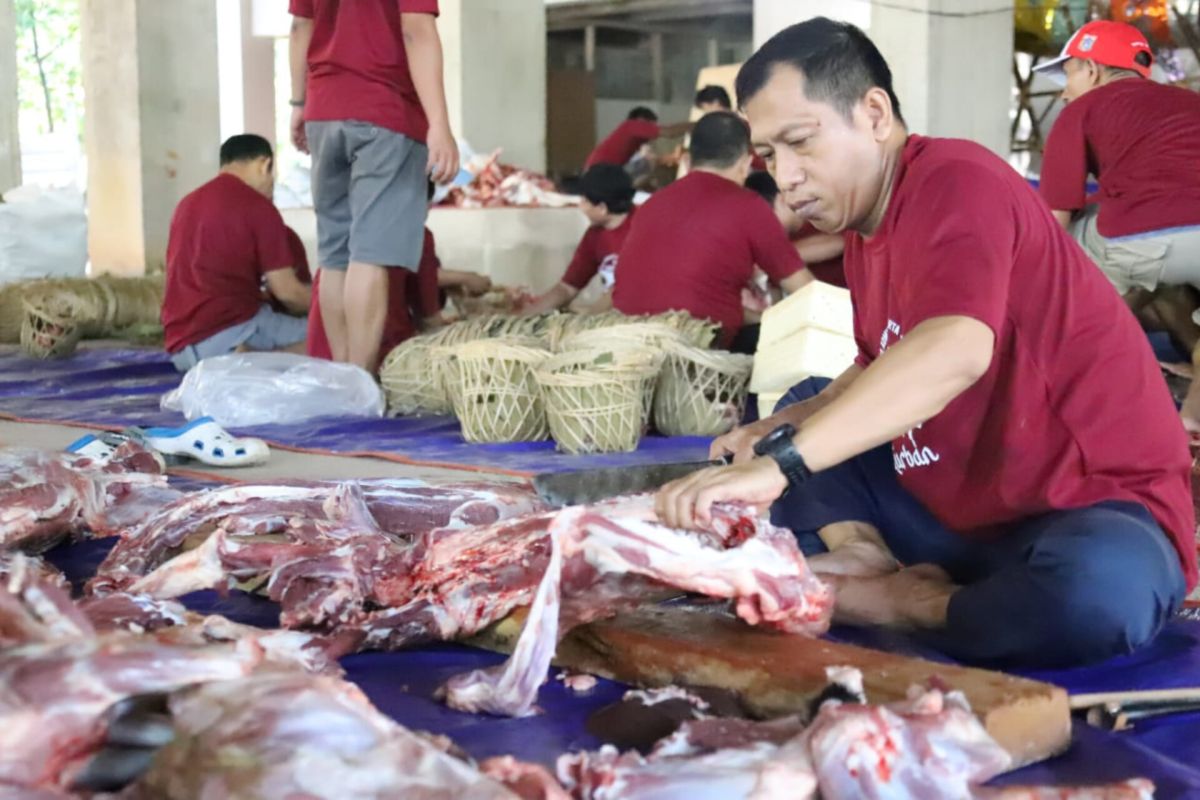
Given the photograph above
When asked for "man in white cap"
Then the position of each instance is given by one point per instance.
(1138, 138)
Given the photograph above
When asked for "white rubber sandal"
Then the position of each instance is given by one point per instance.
(206, 441)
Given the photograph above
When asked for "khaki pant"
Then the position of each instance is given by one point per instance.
(1147, 260)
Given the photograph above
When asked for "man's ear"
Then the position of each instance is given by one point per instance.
(877, 107)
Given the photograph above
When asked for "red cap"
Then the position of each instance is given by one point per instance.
(1113, 44)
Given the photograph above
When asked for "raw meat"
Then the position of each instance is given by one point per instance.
(279, 735)
(605, 557)
(46, 496)
(290, 513)
(16, 561)
(499, 185)
(1133, 789)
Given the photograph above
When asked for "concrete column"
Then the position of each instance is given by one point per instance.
(495, 56)
(951, 60)
(258, 77)
(10, 147)
(151, 122)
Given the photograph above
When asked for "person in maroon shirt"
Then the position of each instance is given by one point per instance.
(369, 103)
(1138, 138)
(821, 252)
(639, 128)
(695, 244)
(227, 241)
(607, 201)
(977, 476)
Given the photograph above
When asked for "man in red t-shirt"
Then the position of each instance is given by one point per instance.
(821, 252)
(695, 243)
(368, 101)
(227, 240)
(1138, 138)
(978, 474)
(607, 201)
(639, 128)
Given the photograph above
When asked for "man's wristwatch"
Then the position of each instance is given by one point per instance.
(296, 103)
(778, 445)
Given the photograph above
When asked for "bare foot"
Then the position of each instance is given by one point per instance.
(915, 597)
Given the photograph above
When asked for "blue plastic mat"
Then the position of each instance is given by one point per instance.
(119, 388)
(401, 684)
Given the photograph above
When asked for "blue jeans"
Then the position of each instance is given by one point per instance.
(1060, 589)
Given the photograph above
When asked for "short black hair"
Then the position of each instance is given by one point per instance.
(245, 147)
(719, 139)
(763, 185)
(839, 64)
(610, 185)
(641, 112)
(714, 94)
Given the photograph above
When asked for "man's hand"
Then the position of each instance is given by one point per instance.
(443, 154)
(687, 503)
(740, 442)
(299, 137)
(476, 284)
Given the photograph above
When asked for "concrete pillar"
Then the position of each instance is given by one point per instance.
(951, 60)
(10, 147)
(258, 77)
(151, 122)
(495, 57)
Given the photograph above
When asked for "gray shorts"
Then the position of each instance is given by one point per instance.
(370, 192)
(1145, 260)
(267, 330)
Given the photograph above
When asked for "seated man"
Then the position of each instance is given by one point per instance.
(1001, 470)
(821, 252)
(607, 202)
(415, 299)
(639, 128)
(1138, 138)
(695, 243)
(227, 240)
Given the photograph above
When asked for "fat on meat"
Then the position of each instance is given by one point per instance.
(285, 735)
(604, 558)
(46, 496)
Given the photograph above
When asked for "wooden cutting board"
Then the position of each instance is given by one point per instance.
(777, 674)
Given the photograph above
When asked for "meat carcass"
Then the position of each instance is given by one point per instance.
(291, 512)
(604, 558)
(46, 496)
(294, 735)
(15, 562)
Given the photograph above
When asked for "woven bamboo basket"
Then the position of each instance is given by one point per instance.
(496, 394)
(701, 392)
(649, 335)
(596, 399)
(409, 380)
(57, 313)
(50, 327)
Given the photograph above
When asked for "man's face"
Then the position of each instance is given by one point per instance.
(1082, 77)
(263, 177)
(790, 220)
(830, 170)
(706, 108)
(596, 214)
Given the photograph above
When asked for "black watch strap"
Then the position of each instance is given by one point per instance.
(778, 445)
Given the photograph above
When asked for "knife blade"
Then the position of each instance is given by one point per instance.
(560, 489)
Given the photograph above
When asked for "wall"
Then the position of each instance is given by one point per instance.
(495, 76)
(10, 146)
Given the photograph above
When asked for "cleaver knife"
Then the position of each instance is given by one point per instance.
(560, 489)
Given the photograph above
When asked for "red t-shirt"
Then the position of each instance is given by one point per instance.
(1139, 139)
(828, 271)
(597, 252)
(1073, 410)
(224, 237)
(357, 64)
(410, 297)
(623, 142)
(694, 247)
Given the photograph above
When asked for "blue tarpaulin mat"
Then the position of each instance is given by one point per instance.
(402, 684)
(120, 388)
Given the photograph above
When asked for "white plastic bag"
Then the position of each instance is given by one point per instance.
(246, 389)
(43, 234)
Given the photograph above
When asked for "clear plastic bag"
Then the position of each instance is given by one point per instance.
(246, 389)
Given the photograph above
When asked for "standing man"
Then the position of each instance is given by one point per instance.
(978, 474)
(695, 244)
(229, 256)
(369, 103)
(1138, 138)
(639, 128)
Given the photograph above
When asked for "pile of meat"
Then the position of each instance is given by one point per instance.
(497, 185)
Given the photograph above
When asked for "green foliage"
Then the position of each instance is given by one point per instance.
(49, 65)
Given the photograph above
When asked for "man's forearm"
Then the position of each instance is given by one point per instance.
(552, 300)
(1063, 217)
(907, 385)
(797, 413)
(424, 49)
(298, 41)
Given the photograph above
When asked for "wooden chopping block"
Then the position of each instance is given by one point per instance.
(777, 674)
